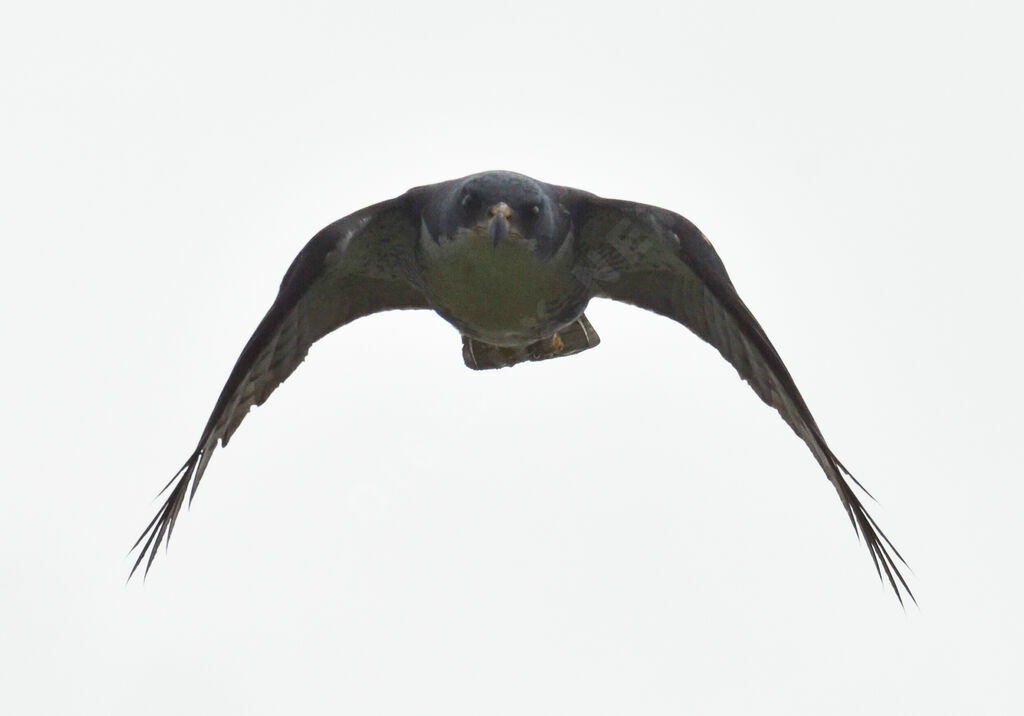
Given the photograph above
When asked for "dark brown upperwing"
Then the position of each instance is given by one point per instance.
(358, 265)
(658, 260)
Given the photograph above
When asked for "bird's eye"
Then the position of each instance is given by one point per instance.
(470, 201)
(535, 209)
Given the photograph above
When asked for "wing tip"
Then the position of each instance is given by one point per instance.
(160, 528)
(884, 554)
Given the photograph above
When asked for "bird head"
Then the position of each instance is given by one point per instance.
(502, 208)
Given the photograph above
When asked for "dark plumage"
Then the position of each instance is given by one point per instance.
(511, 262)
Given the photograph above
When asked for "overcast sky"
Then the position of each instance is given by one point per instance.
(629, 530)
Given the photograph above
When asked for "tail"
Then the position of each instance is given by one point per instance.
(577, 336)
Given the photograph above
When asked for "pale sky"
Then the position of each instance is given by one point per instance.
(626, 531)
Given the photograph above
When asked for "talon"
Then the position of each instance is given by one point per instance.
(557, 344)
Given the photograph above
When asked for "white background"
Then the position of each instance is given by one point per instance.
(626, 531)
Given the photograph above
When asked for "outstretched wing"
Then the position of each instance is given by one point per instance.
(658, 260)
(356, 266)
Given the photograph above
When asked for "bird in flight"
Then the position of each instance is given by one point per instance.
(511, 262)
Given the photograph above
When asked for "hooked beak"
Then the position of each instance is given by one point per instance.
(497, 227)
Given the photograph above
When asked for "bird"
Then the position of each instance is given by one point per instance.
(512, 263)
